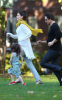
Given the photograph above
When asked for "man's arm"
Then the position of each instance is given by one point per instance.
(57, 35)
(52, 42)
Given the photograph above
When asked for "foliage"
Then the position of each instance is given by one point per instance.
(60, 1)
(7, 61)
(60, 62)
(2, 18)
(50, 90)
(43, 0)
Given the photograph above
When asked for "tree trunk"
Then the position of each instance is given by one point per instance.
(3, 45)
(0, 50)
(4, 42)
(4, 49)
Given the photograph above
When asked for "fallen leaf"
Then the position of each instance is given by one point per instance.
(30, 92)
(55, 96)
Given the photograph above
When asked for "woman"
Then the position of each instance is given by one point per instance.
(24, 32)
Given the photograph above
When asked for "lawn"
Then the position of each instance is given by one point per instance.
(50, 90)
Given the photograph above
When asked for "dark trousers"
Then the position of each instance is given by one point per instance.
(51, 61)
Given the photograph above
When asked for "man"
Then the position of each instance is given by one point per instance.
(54, 52)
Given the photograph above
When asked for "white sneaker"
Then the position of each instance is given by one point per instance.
(39, 82)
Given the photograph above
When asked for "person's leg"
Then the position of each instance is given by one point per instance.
(17, 80)
(32, 68)
(54, 57)
(12, 78)
(56, 62)
(21, 80)
(10, 73)
(16, 71)
(49, 56)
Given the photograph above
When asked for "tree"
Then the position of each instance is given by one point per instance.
(4, 4)
(2, 27)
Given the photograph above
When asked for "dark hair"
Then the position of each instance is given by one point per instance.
(23, 13)
(49, 15)
(16, 48)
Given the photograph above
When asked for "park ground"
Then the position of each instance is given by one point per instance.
(50, 90)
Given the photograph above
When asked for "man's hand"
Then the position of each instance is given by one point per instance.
(50, 44)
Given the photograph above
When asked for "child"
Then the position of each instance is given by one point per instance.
(15, 65)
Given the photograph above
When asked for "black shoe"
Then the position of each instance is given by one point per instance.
(60, 72)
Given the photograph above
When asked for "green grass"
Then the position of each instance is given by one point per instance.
(50, 90)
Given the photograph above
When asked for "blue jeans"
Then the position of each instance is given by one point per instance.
(53, 57)
(32, 68)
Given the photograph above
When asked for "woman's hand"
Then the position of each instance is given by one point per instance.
(8, 34)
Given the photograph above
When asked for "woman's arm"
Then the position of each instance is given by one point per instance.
(11, 35)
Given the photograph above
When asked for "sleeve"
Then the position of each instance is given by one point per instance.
(13, 36)
(27, 32)
(57, 32)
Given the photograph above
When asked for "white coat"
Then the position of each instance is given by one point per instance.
(23, 34)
